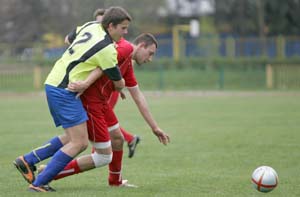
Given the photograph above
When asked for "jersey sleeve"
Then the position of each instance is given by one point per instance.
(107, 57)
(72, 36)
(107, 61)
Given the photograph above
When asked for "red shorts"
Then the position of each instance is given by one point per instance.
(102, 119)
(113, 99)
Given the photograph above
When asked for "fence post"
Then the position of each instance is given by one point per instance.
(280, 41)
(37, 77)
(176, 39)
(176, 43)
(269, 76)
(161, 83)
(230, 47)
(221, 78)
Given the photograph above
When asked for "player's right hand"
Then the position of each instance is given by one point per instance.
(162, 136)
(123, 96)
(78, 86)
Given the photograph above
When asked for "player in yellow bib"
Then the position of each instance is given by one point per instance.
(92, 53)
(91, 48)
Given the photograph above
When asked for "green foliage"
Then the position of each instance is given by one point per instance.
(242, 16)
(217, 140)
(207, 25)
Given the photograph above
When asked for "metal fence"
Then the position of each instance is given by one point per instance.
(21, 77)
(269, 77)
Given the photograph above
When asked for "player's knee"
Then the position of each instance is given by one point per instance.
(84, 146)
(116, 135)
(101, 159)
(79, 146)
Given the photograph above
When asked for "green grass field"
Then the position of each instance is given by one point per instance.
(218, 139)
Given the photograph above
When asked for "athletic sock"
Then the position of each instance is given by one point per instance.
(43, 152)
(115, 167)
(70, 169)
(127, 136)
(56, 164)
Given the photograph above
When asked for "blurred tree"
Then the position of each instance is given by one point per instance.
(27, 21)
(236, 16)
(248, 17)
(283, 17)
(20, 20)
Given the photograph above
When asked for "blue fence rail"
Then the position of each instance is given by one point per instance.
(230, 46)
(203, 46)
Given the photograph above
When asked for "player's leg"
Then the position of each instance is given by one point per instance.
(132, 140)
(72, 117)
(78, 143)
(26, 164)
(100, 140)
(99, 158)
(115, 167)
(127, 136)
(117, 140)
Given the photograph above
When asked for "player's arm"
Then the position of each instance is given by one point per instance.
(142, 105)
(112, 73)
(109, 58)
(81, 86)
(108, 65)
(70, 37)
(115, 76)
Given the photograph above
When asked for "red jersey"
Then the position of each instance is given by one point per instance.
(102, 89)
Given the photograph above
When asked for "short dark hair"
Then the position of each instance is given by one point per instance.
(98, 12)
(115, 15)
(146, 38)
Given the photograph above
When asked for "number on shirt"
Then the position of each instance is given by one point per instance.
(85, 37)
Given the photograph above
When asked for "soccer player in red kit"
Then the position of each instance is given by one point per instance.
(103, 124)
(132, 140)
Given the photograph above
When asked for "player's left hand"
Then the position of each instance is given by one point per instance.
(77, 86)
(162, 136)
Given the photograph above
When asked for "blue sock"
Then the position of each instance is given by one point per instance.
(56, 165)
(43, 152)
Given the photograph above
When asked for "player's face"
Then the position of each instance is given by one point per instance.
(118, 31)
(145, 54)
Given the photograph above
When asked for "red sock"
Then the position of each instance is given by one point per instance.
(128, 136)
(70, 169)
(115, 167)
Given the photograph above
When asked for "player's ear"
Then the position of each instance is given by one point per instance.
(142, 45)
(110, 26)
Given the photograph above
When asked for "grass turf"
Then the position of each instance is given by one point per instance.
(216, 143)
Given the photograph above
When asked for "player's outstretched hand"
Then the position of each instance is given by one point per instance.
(123, 96)
(162, 136)
(77, 86)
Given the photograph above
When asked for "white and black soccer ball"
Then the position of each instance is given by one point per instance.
(264, 179)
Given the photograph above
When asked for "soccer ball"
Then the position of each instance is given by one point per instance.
(264, 179)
